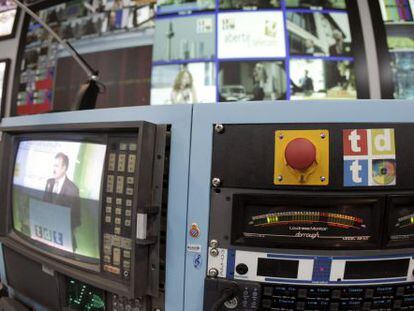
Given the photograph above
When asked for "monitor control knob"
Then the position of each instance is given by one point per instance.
(242, 268)
(300, 154)
(231, 303)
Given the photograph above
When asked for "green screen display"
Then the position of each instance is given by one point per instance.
(83, 297)
(56, 195)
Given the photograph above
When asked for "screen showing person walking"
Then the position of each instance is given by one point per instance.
(56, 195)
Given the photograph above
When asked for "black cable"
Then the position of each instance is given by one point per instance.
(227, 294)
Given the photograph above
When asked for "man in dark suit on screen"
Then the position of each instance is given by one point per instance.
(60, 190)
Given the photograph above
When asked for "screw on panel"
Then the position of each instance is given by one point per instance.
(280, 178)
(214, 252)
(219, 128)
(323, 178)
(214, 243)
(213, 272)
(323, 135)
(216, 182)
(281, 136)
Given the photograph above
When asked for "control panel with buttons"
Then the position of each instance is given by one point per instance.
(125, 304)
(118, 200)
(278, 297)
(384, 297)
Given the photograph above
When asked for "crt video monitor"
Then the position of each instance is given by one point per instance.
(55, 203)
(85, 201)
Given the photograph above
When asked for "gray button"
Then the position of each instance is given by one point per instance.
(110, 183)
(116, 258)
(111, 161)
(107, 250)
(121, 162)
(116, 240)
(131, 163)
(119, 184)
(400, 291)
(300, 305)
(334, 306)
(336, 293)
(302, 292)
(268, 291)
(369, 293)
(126, 243)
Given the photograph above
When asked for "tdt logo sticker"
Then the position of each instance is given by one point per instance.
(369, 157)
(197, 261)
(194, 231)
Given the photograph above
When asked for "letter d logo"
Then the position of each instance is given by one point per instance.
(382, 142)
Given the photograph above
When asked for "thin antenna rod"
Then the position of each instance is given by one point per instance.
(92, 74)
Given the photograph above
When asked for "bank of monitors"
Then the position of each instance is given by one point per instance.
(395, 46)
(208, 51)
(86, 24)
(8, 19)
(88, 200)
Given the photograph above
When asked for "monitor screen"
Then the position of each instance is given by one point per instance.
(251, 35)
(183, 84)
(3, 68)
(395, 45)
(56, 196)
(7, 22)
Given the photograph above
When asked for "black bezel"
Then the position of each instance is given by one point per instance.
(43, 248)
(151, 140)
(316, 200)
(395, 202)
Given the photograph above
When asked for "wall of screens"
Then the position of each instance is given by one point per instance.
(91, 23)
(395, 46)
(8, 18)
(215, 51)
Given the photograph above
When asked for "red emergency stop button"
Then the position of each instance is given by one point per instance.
(300, 153)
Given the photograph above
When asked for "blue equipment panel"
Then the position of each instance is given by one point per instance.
(204, 119)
